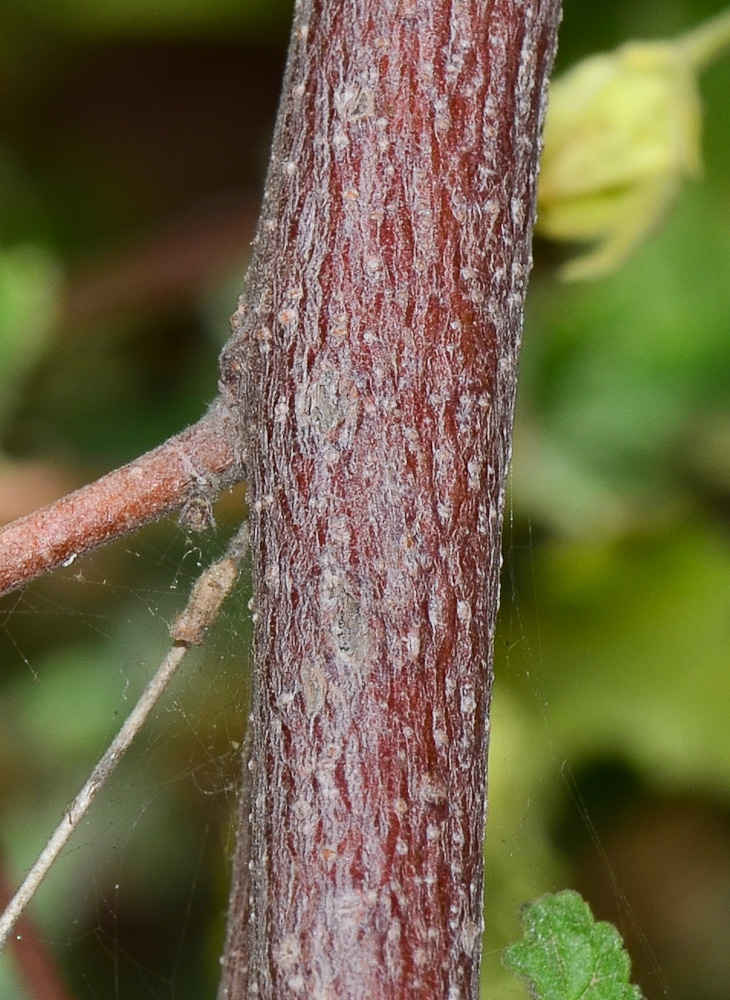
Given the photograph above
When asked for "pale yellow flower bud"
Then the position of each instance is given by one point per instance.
(622, 131)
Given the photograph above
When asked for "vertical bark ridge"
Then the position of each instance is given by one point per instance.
(374, 360)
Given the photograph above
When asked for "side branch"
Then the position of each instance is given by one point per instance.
(190, 468)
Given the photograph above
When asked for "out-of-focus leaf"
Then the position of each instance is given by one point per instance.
(29, 284)
(628, 653)
(653, 684)
(617, 378)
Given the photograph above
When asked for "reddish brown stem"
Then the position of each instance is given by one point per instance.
(195, 464)
(375, 359)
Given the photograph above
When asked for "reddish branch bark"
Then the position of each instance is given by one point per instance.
(191, 468)
(374, 358)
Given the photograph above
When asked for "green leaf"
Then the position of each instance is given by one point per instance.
(565, 954)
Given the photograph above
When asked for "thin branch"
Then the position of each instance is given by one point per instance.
(190, 468)
(188, 630)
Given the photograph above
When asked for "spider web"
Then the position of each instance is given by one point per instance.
(135, 905)
(536, 786)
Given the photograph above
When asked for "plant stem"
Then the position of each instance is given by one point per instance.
(194, 465)
(379, 337)
(705, 43)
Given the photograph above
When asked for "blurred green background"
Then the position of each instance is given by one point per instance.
(133, 140)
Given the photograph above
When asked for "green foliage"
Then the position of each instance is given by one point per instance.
(29, 284)
(566, 955)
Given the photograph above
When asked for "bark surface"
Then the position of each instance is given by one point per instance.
(373, 368)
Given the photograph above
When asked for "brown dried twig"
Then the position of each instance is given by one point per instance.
(188, 630)
(188, 470)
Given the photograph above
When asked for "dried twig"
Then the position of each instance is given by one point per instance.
(188, 630)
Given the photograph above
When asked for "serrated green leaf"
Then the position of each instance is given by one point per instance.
(565, 954)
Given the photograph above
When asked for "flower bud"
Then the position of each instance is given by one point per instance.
(622, 131)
